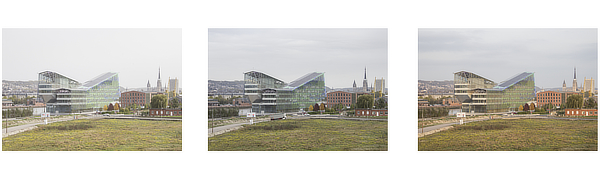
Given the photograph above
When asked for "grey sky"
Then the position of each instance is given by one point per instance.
(288, 54)
(82, 54)
(498, 54)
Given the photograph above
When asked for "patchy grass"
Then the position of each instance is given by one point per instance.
(516, 135)
(99, 135)
(305, 135)
(223, 122)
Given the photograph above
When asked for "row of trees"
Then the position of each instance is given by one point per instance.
(367, 101)
(16, 100)
(577, 101)
(224, 100)
(573, 101)
(223, 112)
(160, 101)
(432, 100)
(433, 112)
(11, 113)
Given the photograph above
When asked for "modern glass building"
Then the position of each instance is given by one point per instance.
(481, 95)
(271, 95)
(65, 95)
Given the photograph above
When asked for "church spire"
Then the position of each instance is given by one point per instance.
(158, 72)
(365, 73)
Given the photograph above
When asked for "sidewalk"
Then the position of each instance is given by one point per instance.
(31, 126)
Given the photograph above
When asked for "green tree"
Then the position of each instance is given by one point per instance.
(547, 106)
(174, 103)
(381, 104)
(352, 106)
(365, 101)
(574, 101)
(591, 103)
(158, 101)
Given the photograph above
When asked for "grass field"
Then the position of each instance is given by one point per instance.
(516, 135)
(305, 135)
(99, 135)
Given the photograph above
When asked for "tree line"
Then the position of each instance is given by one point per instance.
(223, 112)
(12, 113)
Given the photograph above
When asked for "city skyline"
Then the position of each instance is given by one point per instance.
(552, 54)
(288, 54)
(135, 54)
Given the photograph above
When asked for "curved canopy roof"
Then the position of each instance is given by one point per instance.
(256, 72)
(98, 79)
(513, 80)
(303, 80)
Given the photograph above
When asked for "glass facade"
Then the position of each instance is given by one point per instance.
(481, 95)
(272, 95)
(66, 95)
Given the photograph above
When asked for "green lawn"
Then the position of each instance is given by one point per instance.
(99, 135)
(305, 135)
(515, 135)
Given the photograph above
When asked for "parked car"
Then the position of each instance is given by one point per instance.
(108, 115)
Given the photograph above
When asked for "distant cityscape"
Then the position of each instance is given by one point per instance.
(61, 94)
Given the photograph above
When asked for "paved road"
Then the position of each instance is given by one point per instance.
(435, 127)
(21, 127)
(230, 126)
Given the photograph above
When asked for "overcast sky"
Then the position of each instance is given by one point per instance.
(499, 54)
(288, 54)
(82, 54)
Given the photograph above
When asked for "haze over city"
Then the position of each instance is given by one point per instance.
(288, 54)
(499, 54)
(82, 54)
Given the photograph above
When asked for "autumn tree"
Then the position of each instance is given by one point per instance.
(526, 107)
(310, 108)
(111, 107)
(322, 107)
(316, 107)
(520, 107)
(117, 107)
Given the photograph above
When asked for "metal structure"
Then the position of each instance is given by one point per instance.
(65, 95)
(270, 95)
(481, 95)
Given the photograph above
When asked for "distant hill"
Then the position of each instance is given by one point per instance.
(225, 86)
(19, 86)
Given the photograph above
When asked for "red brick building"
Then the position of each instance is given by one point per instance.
(133, 97)
(549, 97)
(581, 112)
(154, 112)
(371, 112)
(339, 97)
